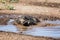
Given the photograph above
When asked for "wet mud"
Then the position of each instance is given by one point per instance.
(45, 19)
(52, 23)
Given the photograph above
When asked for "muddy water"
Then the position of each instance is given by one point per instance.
(53, 22)
(9, 27)
(53, 31)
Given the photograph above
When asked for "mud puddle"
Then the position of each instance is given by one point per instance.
(47, 31)
(53, 32)
(53, 22)
(9, 27)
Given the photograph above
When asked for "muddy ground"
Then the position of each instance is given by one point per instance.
(42, 18)
(14, 36)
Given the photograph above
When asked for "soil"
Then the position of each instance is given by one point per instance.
(14, 36)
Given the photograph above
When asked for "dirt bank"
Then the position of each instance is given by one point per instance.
(14, 36)
(33, 8)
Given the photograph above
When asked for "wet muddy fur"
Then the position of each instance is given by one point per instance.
(28, 20)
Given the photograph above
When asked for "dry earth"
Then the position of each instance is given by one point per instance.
(33, 8)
